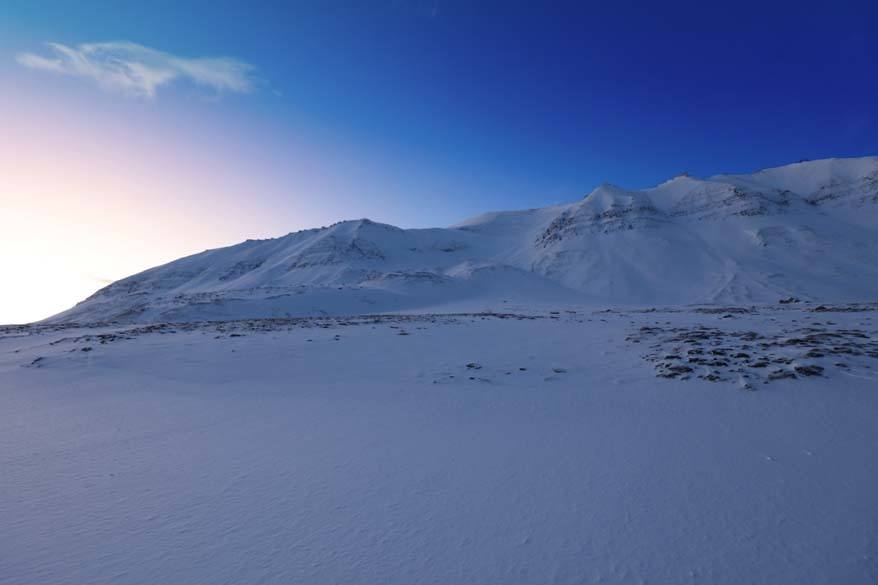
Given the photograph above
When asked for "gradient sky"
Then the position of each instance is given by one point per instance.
(415, 113)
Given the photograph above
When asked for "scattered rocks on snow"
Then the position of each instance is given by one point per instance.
(714, 354)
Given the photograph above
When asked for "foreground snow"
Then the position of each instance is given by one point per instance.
(444, 449)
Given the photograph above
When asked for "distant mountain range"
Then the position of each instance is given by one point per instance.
(807, 230)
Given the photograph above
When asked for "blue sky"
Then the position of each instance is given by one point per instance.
(418, 113)
(519, 104)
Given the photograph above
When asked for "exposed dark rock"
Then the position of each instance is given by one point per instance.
(673, 371)
(781, 375)
(809, 370)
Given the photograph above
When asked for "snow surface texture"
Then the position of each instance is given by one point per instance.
(806, 230)
(548, 447)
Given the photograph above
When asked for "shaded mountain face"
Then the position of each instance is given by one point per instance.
(806, 230)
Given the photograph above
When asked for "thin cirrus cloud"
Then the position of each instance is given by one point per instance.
(139, 71)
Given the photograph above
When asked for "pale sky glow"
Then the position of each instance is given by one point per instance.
(91, 198)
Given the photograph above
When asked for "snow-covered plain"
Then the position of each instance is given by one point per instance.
(566, 446)
(673, 385)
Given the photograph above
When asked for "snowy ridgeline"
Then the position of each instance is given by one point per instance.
(806, 230)
(567, 446)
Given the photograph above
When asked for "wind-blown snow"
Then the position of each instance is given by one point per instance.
(441, 449)
(806, 230)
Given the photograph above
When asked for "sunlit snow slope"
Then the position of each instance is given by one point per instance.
(806, 230)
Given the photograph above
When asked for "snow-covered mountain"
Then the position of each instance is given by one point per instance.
(806, 230)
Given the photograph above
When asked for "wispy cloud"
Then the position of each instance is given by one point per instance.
(139, 71)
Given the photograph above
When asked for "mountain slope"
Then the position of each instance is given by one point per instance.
(806, 229)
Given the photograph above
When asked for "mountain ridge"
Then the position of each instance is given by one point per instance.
(805, 230)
